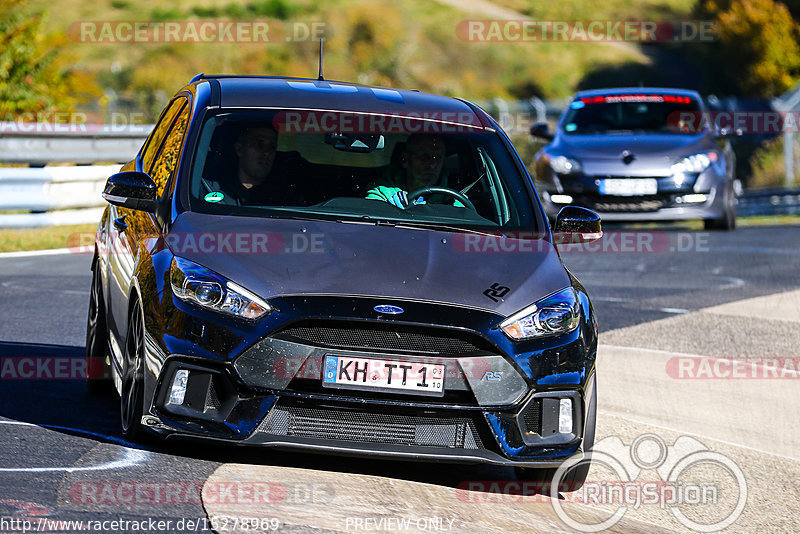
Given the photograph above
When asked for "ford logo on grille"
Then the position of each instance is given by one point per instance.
(388, 309)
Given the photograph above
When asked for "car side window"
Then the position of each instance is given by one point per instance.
(165, 163)
(159, 132)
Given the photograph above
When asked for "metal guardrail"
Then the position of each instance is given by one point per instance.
(770, 201)
(54, 195)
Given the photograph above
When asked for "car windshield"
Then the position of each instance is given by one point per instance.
(323, 165)
(632, 113)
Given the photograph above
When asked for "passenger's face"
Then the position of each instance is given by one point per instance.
(256, 152)
(423, 161)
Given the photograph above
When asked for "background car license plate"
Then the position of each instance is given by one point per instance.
(628, 186)
(379, 374)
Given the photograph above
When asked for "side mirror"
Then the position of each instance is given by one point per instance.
(541, 129)
(135, 190)
(577, 225)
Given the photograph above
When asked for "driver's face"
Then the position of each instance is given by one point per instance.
(423, 161)
(256, 153)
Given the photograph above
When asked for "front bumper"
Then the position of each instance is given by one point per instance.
(270, 395)
(666, 205)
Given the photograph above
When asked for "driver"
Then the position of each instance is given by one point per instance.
(421, 164)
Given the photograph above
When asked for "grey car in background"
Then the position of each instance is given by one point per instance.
(638, 154)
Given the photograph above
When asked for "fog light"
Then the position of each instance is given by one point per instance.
(561, 199)
(178, 391)
(565, 416)
(694, 198)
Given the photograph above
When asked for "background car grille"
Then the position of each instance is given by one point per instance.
(624, 204)
(397, 338)
(286, 419)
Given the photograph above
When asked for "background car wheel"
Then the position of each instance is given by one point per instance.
(132, 394)
(728, 221)
(98, 377)
(574, 478)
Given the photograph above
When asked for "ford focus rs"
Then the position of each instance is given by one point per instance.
(341, 269)
(638, 154)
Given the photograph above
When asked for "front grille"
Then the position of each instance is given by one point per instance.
(625, 204)
(395, 338)
(371, 427)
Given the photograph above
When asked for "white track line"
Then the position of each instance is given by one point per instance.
(678, 431)
(130, 457)
(31, 253)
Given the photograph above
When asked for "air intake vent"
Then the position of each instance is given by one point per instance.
(532, 416)
(396, 338)
(371, 427)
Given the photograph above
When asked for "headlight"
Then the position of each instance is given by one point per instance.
(201, 286)
(564, 165)
(558, 313)
(695, 163)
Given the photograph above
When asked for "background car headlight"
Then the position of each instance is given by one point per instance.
(558, 313)
(196, 284)
(564, 165)
(695, 163)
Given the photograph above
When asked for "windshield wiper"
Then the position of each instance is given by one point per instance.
(444, 227)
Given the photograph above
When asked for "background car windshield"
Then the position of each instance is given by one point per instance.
(631, 113)
(253, 163)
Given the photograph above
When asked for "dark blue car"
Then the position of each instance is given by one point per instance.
(341, 269)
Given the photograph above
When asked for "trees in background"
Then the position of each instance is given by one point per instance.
(34, 75)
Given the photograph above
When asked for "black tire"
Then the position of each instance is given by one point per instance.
(574, 478)
(132, 391)
(98, 373)
(728, 220)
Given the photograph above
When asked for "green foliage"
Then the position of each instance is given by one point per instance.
(768, 165)
(760, 38)
(165, 13)
(32, 73)
(757, 53)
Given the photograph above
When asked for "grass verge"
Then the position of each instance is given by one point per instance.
(50, 237)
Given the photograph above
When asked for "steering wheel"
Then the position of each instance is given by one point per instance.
(444, 190)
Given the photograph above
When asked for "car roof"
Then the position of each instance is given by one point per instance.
(638, 90)
(281, 92)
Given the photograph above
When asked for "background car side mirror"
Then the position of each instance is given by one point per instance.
(542, 130)
(577, 225)
(131, 189)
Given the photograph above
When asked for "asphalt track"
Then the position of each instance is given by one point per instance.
(712, 298)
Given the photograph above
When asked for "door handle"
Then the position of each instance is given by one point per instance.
(119, 223)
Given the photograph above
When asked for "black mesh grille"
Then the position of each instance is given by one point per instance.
(371, 427)
(362, 336)
(624, 204)
(532, 417)
(212, 399)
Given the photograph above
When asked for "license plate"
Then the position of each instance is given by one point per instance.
(373, 374)
(628, 187)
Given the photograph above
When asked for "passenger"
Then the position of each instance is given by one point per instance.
(257, 179)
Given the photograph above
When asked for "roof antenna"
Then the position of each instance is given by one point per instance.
(321, 79)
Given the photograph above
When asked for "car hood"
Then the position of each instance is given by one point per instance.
(651, 152)
(279, 257)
